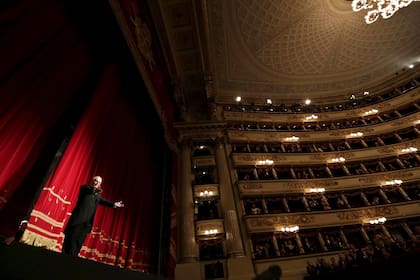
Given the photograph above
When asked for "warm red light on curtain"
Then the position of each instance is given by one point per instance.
(50, 60)
(38, 85)
(109, 141)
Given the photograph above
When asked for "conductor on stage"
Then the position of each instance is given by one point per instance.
(81, 220)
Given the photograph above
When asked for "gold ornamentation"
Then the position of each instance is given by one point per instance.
(144, 40)
(371, 212)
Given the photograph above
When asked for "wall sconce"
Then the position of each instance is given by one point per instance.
(409, 150)
(288, 229)
(315, 190)
(265, 162)
(396, 182)
(311, 117)
(371, 112)
(206, 193)
(375, 221)
(211, 231)
(291, 139)
(355, 134)
(337, 160)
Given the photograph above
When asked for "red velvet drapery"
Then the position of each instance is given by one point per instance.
(109, 141)
(44, 65)
(48, 69)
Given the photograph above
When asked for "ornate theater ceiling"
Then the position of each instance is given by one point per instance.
(281, 49)
(306, 48)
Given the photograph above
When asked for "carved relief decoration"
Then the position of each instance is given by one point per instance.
(204, 161)
(271, 223)
(214, 188)
(202, 226)
(339, 134)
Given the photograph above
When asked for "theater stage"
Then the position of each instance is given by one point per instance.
(21, 261)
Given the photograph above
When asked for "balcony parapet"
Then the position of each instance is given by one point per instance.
(208, 229)
(388, 105)
(201, 161)
(272, 222)
(251, 159)
(271, 187)
(206, 191)
(323, 135)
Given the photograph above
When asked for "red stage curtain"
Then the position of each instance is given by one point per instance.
(43, 67)
(110, 142)
(47, 63)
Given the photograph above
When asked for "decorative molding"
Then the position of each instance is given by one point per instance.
(324, 135)
(200, 131)
(386, 211)
(215, 224)
(275, 187)
(204, 161)
(388, 105)
(288, 159)
(210, 188)
(270, 223)
(124, 20)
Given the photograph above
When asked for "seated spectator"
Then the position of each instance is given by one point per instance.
(375, 200)
(255, 210)
(340, 203)
(290, 247)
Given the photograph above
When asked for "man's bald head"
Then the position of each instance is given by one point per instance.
(96, 181)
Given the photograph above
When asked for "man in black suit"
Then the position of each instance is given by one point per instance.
(81, 220)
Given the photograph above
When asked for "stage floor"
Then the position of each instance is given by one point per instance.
(21, 261)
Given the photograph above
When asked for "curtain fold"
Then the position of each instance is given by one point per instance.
(59, 59)
(109, 141)
(43, 68)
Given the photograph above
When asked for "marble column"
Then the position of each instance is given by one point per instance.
(344, 239)
(234, 242)
(276, 245)
(233, 235)
(346, 170)
(386, 232)
(379, 140)
(344, 198)
(299, 244)
(409, 231)
(365, 235)
(285, 204)
(305, 203)
(292, 172)
(321, 241)
(186, 230)
(324, 202)
(403, 193)
(364, 198)
(398, 137)
(347, 145)
(383, 195)
(264, 206)
(364, 143)
(328, 170)
(274, 173)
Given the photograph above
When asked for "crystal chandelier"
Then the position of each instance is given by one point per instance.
(376, 8)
